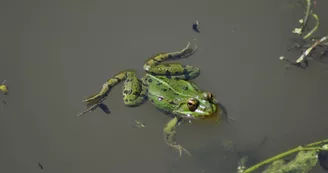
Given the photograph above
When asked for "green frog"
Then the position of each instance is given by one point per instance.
(168, 87)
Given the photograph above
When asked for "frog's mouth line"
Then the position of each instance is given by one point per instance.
(216, 115)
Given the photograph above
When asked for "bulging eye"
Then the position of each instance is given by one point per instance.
(192, 104)
(210, 96)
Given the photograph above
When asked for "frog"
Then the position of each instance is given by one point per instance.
(169, 87)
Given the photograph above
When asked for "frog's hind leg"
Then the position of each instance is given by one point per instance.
(173, 70)
(131, 81)
(170, 135)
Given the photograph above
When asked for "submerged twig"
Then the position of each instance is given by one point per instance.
(139, 124)
(306, 17)
(302, 60)
(315, 28)
(308, 51)
(41, 166)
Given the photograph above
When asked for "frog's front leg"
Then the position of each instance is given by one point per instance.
(134, 93)
(173, 70)
(170, 135)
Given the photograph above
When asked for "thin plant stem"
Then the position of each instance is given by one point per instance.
(306, 17)
(308, 51)
(308, 147)
(315, 28)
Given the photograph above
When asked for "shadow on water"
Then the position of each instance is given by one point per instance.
(221, 155)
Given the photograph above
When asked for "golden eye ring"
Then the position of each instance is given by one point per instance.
(192, 104)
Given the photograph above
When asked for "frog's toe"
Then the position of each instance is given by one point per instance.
(90, 109)
(94, 102)
(181, 150)
(93, 98)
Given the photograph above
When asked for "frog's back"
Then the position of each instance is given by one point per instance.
(165, 93)
(161, 85)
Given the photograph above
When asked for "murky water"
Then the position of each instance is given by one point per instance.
(55, 53)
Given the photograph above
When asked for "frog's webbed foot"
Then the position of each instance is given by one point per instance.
(133, 92)
(170, 136)
(180, 149)
(96, 100)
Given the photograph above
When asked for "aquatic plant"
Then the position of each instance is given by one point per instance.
(307, 42)
(305, 160)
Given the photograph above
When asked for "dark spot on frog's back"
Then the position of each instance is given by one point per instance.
(185, 88)
(164, 89)
(118, 79)
(158, 83)
(172, 103)
(136, 93)
(127, 91)
(186, 74)
(150, 80)
(168, 74)
(144, 84)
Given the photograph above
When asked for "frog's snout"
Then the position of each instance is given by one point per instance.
(208, 112)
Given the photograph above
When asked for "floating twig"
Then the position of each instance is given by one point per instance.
(302, 60)
(308, 51)
(195, 27)
(139, 124)
(39, 164)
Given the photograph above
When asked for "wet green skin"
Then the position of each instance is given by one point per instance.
(168, 87)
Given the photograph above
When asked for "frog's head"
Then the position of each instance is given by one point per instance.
(202, 106)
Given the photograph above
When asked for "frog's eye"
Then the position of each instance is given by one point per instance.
(208, 96)
(192, 104)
